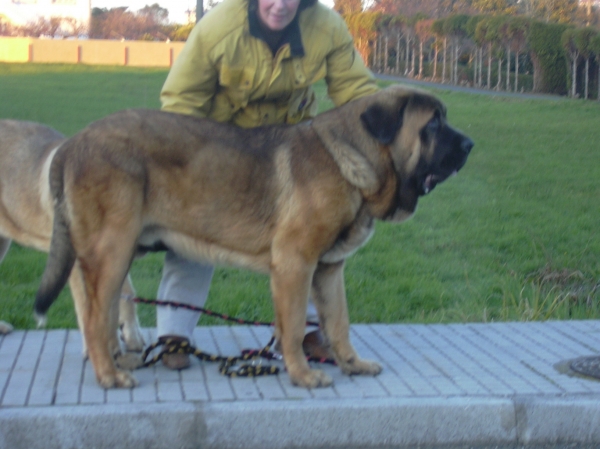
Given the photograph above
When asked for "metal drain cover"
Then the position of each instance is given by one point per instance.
(588, 366)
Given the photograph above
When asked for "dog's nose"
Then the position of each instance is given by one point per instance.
(466, 145)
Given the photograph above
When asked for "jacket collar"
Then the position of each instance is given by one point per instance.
(292, 34)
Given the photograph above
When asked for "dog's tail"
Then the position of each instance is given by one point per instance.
(61, 257)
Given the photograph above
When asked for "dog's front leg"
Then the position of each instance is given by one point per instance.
(290, 284)
(329, 296)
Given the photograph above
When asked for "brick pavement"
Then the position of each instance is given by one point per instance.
(498, 383)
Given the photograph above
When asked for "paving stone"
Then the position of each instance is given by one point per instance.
(459, 384)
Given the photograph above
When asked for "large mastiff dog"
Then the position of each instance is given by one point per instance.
(291, 201)
(26, 151)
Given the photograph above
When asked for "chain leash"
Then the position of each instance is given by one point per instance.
(228, 365)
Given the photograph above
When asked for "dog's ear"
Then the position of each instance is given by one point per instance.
(382, 123)
(339, 140)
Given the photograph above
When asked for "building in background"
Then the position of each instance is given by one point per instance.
(22, 12)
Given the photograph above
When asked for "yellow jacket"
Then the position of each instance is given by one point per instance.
(226, 73)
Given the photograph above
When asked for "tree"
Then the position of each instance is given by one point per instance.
(557, 11)
(518, 27)
(437, 27)
(424, 33)
(455, 28)
(486, 33)
(583, 41)
(154, 14)
(505, 34)
(363, 27)
(6, 28)
(569, 44)
(547, 54)
(149, 23)
(395, 27)
(595, 48)
(51, 27)
(345, 7)
(495, 6)
(471, 29)
(408, 8)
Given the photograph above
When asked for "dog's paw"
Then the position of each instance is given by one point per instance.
(120, 379)
(313, 378)
(360, 366)
(5, 328)
(132, 337)
(129, 361)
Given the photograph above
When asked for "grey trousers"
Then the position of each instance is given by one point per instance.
(188, 282)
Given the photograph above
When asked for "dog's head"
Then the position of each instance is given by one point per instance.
(395, 145)
(424, 148)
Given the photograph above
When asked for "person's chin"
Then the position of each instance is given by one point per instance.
(278, 24)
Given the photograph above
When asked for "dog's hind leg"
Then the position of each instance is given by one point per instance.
(78, 294)
(5, 328)
(128, 319)
(104, 264)
(329, 297)
(4, 245)
(103, 283)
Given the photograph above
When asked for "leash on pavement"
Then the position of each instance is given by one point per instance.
(228, 365)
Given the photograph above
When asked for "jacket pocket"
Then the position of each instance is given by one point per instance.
(236, 83)
(309, 72)
(302, 105)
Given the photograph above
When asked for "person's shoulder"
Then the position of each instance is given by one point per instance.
(321, 18)
(225, 18)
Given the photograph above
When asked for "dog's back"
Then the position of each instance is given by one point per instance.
(25, 206)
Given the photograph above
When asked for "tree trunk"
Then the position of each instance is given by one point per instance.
(420, 59)
(499, 83)
(456, 50)
(444, 60)
(475, 64)
(508, 69)
(407, 60)
(489, 73)
(517, 71)
(574, 78)
(479, 78)
(412, 59)
(587, 77)
(452, 62)
(385, 53)
(435, 59)
(399, 36)
(374, 57)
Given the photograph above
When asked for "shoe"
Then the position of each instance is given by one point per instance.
(314, 345)
(175, 360)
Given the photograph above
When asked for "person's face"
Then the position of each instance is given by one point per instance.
(277, 14)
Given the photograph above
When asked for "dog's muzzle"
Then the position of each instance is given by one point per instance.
(450, 166)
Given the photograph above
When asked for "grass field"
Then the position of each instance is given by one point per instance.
(513, 237)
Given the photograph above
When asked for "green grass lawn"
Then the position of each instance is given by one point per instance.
(513, 237)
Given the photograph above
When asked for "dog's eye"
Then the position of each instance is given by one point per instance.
(433, 125)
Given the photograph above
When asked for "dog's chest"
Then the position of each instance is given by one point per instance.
(350, 240)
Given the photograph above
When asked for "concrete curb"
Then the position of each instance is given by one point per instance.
(353, 423)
